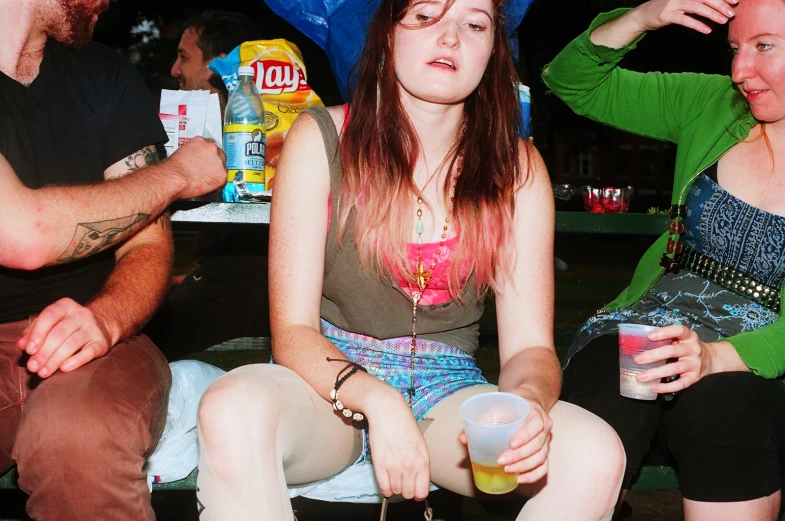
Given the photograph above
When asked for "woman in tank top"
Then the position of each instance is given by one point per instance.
(392, 219)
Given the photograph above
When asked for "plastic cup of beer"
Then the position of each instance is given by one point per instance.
(634, 339)
(489, 421)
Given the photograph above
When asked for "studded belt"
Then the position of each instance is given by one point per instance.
(727, 277)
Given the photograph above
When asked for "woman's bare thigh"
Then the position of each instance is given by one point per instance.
(577, 436)
(313, 441)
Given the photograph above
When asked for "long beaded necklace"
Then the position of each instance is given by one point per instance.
(421, 276)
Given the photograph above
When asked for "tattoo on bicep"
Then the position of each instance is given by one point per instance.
(90, 238)
(142, 158)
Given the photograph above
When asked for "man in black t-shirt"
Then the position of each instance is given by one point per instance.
(82, 397)
(225, 296)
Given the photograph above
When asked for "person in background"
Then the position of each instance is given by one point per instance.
(712, 283)
(224, 296)
(82, 395)
(211, 34)
(391, 220)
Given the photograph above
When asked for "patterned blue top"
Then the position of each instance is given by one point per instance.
(735, 233)
(732, 232)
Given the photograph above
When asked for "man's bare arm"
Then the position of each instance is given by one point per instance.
(60, 224)
(67, 335)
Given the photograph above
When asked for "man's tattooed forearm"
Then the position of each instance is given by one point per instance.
(90, 238)
(164, 221)
(142, 158)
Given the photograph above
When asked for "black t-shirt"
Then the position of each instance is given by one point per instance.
(86, 110)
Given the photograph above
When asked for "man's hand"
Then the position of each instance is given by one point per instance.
(64, 337)
(200, 164)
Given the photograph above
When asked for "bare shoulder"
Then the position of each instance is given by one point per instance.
(338, 115)
(531, 164)
(306, 127)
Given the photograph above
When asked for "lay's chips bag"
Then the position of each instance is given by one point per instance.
(279, 74)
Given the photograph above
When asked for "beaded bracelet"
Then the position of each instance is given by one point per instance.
(340, 378)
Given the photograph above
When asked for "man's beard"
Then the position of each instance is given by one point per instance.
(76, 29)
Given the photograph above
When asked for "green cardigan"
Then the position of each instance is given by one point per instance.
(703, 114)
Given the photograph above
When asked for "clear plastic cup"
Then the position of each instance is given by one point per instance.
(634, 339)
(490, 420)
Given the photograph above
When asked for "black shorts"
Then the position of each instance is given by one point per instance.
(725, 435)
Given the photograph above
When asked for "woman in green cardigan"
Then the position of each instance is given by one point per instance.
(713, 282)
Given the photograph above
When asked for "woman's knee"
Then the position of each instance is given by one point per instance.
(589, 449)
(240, 407)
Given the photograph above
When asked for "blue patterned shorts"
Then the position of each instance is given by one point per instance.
(440, 370)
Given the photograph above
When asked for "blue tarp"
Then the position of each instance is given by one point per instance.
(338, 27)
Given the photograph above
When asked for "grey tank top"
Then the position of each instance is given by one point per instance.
(358, 301)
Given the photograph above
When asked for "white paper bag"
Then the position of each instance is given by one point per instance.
(190, 106)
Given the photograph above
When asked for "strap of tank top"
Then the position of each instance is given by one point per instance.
(331, 140)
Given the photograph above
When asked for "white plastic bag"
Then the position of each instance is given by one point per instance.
(177, 453)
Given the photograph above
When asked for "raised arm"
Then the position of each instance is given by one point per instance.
(60, 224)
(586, 76)
(655, 14)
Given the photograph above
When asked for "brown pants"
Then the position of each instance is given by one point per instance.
(80, 439)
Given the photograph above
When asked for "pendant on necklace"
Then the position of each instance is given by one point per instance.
(421, 276)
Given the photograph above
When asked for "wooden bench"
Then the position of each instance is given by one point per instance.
(651, 478)
(196, 216)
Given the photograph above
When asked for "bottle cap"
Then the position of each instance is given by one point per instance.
(245, 70)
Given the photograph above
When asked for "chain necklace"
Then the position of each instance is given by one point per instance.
(422, 277)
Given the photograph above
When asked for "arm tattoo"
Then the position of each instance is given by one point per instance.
(142, 158)
(90, 238)
(164, 221)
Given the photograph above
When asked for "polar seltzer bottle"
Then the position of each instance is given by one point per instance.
(244, 140)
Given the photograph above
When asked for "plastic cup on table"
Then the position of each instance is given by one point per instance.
(634, 339)
(489, 421)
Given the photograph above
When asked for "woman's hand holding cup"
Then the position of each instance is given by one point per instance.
(693, 359)
(508, 439)
(529, 447)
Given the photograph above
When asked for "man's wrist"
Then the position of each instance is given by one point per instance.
(111, 328)
(175, 179)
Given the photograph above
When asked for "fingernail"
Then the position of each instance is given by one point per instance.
(514, 444)
(503, 460)
(44, 373)
(32, 366)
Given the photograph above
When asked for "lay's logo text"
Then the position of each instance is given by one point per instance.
(278, 77)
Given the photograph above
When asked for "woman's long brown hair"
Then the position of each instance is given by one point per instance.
(379, 149)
